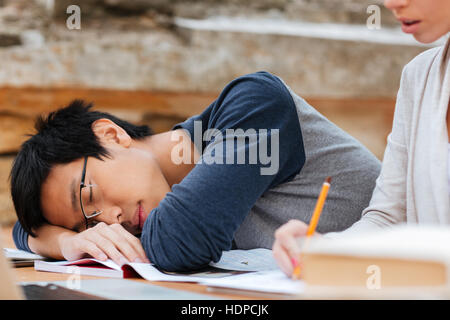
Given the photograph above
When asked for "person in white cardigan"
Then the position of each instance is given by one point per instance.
(414, 183)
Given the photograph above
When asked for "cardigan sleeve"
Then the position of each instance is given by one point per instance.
(388, 203)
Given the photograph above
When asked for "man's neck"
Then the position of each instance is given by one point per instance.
(161, 146)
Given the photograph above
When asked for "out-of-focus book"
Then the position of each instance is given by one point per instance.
(401, 256)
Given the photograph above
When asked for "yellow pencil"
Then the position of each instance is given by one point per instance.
(314, 220)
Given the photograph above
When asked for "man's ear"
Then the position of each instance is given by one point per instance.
(110, 133)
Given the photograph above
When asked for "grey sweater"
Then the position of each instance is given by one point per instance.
(331, 152)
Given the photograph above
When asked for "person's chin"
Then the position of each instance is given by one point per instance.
(422, 39)
(131, 228)
(427, 37)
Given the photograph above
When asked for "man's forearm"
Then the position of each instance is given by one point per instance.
(48, 241)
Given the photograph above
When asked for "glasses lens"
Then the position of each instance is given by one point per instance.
(92, 199)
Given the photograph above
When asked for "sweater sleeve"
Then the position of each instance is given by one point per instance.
(197, 220)
(20, 237)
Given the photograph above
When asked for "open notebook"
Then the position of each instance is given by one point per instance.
(20, 258)
(232, 262)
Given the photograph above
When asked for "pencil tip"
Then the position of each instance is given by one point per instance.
(328, 180)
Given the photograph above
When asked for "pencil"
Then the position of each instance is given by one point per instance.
(314, 220)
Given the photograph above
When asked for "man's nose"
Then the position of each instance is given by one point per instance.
(395, 4)
(110, 215)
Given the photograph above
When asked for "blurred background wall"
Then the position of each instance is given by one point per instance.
(161, 61)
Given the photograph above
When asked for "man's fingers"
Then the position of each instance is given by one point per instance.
(116, 240)
(120, 242)
(91, 249)
(134, 242)
(108, 247)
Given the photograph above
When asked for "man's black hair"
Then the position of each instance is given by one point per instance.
(63, 136)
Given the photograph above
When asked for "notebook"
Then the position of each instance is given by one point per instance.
(20, 258)
(269, 282)
(232, 262)
(404, 255)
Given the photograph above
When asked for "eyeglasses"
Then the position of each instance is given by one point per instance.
(91, 198)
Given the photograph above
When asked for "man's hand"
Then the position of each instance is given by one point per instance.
(286, 249)
(102, 242)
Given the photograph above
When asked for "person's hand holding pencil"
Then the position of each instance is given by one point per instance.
(286, 248)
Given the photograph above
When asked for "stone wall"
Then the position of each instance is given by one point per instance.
(144, 49)
(340, 11)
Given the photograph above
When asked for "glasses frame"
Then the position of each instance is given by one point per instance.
(84, 185)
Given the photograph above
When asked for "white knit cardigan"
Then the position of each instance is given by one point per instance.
(413, 183)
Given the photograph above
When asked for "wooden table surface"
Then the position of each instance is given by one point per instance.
(28, 274)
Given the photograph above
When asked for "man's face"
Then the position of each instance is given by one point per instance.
(129, 181)
(426, 20)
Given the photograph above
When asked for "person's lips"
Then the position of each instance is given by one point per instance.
(141, 217)
(139, 214)
(409, 25)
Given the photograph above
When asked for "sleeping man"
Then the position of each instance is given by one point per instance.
(90, 184)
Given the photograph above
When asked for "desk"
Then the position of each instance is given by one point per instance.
(27, 274)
